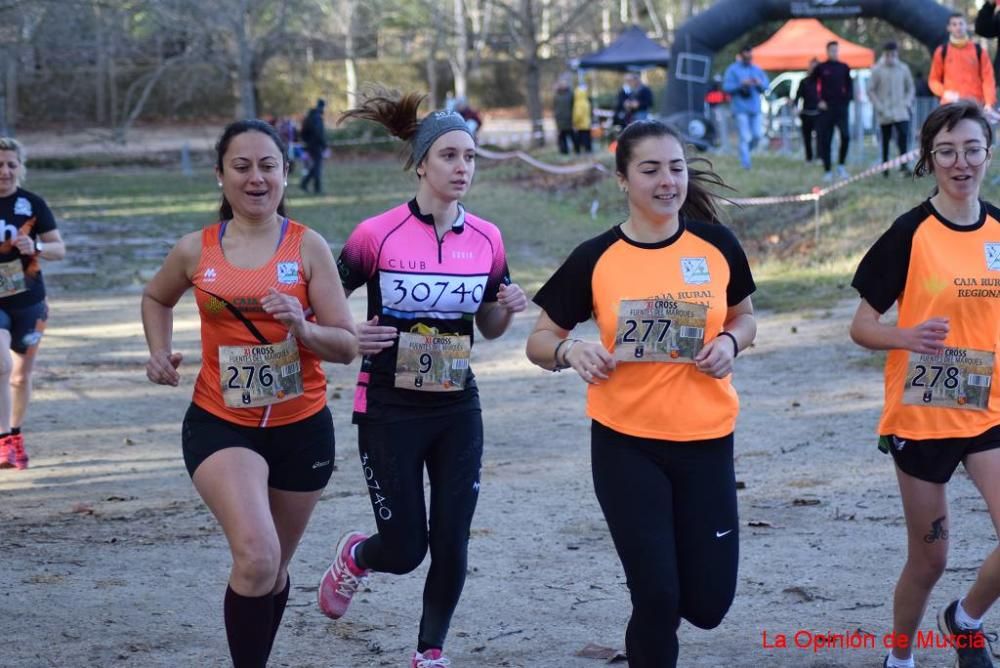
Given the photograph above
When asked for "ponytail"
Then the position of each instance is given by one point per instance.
(396, 113)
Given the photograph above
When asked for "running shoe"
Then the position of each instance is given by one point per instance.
(842, 172)
(429, 659)
(6, 454)
(971, 645)
(342, 579)
(15, 452)
(885, 661)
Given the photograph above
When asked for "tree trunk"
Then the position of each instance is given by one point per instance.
(532, 73)
(606, 24)
(350, 62)
(459, 61)
(545, 50)
(244, 66)
(11, 82)
(100, 76)
(433, 82)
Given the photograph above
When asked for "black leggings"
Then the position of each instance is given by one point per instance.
(393, 456)
(834, 117)
(809, 122)
(902, 130)
(671, 509)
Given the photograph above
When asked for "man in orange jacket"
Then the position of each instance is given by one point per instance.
(960, 69)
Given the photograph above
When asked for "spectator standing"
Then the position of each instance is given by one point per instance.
(960, 69)
(807, 105)
(892, 94)
(635, 101)
(744, 81)
(313, 136)
(562, 109)
(583, 115)
(836, 91)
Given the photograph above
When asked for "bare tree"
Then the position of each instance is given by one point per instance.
(242, 36)
(523, 22)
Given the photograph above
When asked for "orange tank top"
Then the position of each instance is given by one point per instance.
(218, 282)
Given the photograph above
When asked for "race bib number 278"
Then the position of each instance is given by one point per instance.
(955, 378)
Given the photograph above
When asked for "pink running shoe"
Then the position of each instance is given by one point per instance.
(6, 454)
(430, 659)
(15, 453)
(342, 579)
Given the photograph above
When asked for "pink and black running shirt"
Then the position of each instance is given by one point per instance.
(415, 278)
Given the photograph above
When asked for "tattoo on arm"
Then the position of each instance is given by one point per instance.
(938, 532)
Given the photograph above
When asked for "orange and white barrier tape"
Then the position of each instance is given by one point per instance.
(819, 192)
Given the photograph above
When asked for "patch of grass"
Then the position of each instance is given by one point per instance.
(784, 287)
(874, 361)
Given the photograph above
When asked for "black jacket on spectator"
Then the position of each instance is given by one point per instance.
(835, 85)
(313, 130)
(809, 94)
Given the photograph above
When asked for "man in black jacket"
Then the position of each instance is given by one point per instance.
(313, 136)
(988, 25)
(836, 90)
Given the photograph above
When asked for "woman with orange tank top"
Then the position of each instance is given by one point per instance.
(258, 437)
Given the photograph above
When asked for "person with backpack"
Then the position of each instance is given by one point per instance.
(960, 70)
(313, 136)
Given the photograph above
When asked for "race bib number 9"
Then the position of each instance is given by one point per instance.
(11, 278)
(956, 378)
(659, 330)
(260, 375)
(432, 362)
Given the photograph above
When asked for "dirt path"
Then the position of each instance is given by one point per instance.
(110, 559)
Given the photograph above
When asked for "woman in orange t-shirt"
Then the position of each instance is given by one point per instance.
(258, 436)
(938, 263)
(669, 289)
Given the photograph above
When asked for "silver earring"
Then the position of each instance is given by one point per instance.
(220, 184)
(286, 183)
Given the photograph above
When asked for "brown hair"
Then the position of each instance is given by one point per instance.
(395, 112)
(946, 117)
(701, 202)
(237, 128)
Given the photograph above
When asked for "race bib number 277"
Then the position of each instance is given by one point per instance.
(659, 330)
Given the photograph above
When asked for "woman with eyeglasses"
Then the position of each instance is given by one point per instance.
(940, 262)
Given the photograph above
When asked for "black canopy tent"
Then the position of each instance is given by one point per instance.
(633, 49)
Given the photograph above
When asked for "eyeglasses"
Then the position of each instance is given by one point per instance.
(947, 157)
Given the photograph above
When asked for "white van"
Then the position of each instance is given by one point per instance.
(778, 103)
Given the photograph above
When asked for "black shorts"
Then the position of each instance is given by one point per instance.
(25, 325)
(935, 460)
(299, 455)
